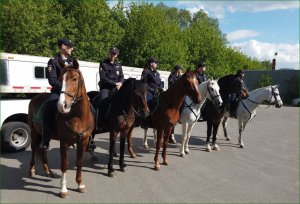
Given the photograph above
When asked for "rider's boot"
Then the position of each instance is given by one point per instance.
(45, 137)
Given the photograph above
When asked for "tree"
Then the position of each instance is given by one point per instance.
(96, 30)
(149, 33)
(31, 27)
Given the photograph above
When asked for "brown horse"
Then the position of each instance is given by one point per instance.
(74, 124)
(117, 113)
(166, 114)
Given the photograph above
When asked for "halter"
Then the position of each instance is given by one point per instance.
(74, 97)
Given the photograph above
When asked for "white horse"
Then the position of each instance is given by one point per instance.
(247, 108)
(191, 112)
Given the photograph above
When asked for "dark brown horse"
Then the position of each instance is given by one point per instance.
(166, 114)
(116, 114)
(74, 124)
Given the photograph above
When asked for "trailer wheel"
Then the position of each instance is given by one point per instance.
(15, 136)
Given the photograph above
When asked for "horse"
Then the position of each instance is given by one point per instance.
(191, 112)
(74, 124)
(166, 112)
(118, 114)
(247, 108)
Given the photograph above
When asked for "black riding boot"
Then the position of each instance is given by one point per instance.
(48, 121)
(46, 136)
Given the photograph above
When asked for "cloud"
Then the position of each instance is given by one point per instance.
(219, 8)
(288, 54)
(241, 34)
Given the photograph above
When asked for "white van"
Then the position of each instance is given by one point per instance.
(24, 76)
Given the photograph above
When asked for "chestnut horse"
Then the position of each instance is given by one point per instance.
(166, 113)
(74, 124)
(116, 114)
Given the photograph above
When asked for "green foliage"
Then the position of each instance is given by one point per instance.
(173, 36)
(149, 33)
(265, 80)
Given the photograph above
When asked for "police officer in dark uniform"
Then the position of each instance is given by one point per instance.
(54, 69)
(200, 73)
(239, 91)
(152, 79)
(173, 77)
(111, 74)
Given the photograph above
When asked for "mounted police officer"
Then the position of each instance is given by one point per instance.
(200, 73)
(152, 78)
(111, 74)
(239, 91)
(54, 69)
(173, 77)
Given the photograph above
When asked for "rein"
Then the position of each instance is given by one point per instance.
(269, 103)
(78, 134)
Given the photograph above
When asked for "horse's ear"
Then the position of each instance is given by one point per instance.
(75, 64)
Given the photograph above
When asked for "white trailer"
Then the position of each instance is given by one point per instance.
(24, 76)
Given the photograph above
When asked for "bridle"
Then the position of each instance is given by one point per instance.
(269, 102)
(74, 97)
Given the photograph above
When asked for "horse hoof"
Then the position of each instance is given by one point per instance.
(122, 169)
(133, 155)
(145, 146)
(63, 194)
(182, 155)
(216, 148)
(111, 174)
(165, 162)
(187, 152)
(81, 190)
(227, 138)
(94, 159)
(157, 167)
(242, 146)
(208, 149)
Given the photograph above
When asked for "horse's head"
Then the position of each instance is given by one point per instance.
(212, 93)
(190, 84)
(275, 97)
(137, 90)
(72, 81)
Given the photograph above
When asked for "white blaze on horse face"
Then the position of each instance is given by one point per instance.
(61, 104)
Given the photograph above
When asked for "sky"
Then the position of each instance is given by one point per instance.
(258, 28)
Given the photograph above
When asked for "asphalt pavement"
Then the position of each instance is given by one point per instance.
(266, 171)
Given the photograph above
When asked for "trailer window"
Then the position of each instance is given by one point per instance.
(40, 72)
(3, 72)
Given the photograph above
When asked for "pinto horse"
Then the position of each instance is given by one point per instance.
(116, 114)
(191, 112)
(166, 113)
(74, 124)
